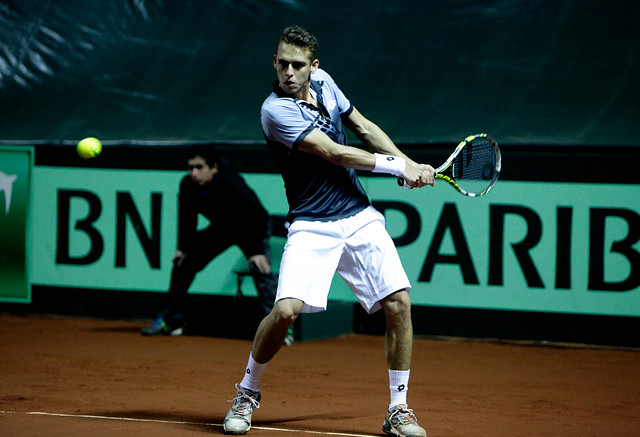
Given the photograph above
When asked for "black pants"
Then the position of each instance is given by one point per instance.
(208, 247)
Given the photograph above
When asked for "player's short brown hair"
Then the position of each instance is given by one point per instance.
(300, 37)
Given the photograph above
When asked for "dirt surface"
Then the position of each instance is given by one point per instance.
(76, 377)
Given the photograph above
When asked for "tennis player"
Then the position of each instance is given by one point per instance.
(333, 225)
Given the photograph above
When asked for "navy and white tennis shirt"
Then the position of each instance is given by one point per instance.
(316, 189)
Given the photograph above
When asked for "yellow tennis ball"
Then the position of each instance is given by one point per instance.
(89, 147)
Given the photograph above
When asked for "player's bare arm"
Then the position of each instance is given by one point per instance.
(372, 135)
(377, 140)
(318, 143)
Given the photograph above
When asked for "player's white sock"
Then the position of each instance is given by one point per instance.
(398, 386)
(252, 374)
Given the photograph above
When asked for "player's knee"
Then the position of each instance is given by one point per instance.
(397, 304)
(286, 311)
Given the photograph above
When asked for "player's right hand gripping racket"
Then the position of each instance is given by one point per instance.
(473, 168)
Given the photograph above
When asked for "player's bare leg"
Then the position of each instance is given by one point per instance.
(267, 342)
(400, 420)
(273, 329)
(399, 330)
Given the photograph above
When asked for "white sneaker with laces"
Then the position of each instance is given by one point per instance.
(238, 419)
(400, 421)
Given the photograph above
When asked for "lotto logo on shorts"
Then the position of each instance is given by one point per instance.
(390, 158)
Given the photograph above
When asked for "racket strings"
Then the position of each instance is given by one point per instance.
(476, 168)
(477, 161)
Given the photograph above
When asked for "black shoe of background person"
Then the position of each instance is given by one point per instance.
(160, 327)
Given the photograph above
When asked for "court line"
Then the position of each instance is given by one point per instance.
(179, 422)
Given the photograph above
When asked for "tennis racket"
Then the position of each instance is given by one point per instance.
(473, 168)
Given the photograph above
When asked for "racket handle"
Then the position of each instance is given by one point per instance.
(403, 183)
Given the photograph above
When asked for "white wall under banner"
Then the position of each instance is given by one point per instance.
(552, 247)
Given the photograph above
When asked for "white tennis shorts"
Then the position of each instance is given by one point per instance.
(358, 248)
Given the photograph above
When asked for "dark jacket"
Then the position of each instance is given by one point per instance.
(232, 208)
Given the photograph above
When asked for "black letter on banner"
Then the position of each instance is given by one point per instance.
(413, 220)
(563, 247)
(521, 249)
(85, 225)
(150, 244)
(624, 247)
(449, 220)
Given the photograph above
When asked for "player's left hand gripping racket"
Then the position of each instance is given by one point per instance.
(473, 168)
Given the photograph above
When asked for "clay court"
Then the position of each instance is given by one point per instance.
(79, 377)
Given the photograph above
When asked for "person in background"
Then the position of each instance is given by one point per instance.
(212, 188)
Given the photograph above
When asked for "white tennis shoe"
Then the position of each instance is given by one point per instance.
(400, 421)
(238, 419)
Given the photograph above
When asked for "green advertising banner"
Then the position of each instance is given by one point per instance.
(553, 247)
(15, 189)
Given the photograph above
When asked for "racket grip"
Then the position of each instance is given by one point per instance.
(403, 183)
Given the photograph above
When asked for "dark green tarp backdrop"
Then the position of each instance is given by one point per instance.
(526, 71)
